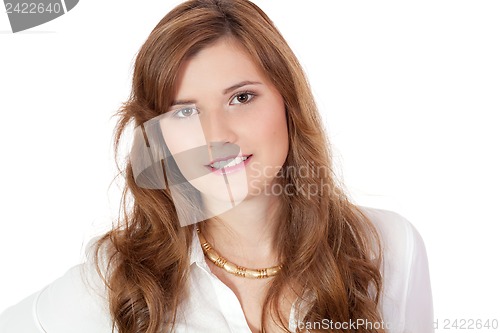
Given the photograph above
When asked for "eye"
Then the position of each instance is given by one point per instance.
(185, 113)
(242, 98)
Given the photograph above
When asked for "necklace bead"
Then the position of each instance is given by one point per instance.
(232, 268)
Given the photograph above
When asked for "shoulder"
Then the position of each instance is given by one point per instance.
(398, 236)
(75, 302)
(406, 295)
(401, 243)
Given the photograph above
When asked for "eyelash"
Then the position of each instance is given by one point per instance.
(174, 115)
(251, 94)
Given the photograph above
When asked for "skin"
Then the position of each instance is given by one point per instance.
(251, 117)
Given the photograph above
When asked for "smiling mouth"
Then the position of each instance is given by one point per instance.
(228, 162)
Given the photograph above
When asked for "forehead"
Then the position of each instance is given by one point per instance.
(218, 66)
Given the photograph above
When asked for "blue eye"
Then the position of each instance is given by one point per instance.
(242, 98)
(185, 113)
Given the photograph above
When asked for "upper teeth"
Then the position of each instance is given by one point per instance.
(228, 163)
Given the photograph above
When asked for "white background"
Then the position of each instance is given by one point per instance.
(409, 91)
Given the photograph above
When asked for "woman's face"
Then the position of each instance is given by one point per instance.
(227, 127)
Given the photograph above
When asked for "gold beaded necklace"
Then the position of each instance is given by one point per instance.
(234, 269)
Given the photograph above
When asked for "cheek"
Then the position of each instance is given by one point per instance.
(182, 136)
(276, 126)
(280, 139)
(269, 129)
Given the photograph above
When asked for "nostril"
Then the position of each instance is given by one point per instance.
(219, 150)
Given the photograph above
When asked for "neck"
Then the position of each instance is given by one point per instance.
(245, 234)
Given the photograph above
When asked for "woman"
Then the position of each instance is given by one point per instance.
(233, 220)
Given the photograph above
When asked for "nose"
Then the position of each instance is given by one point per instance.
(218, 128)
(220, 134)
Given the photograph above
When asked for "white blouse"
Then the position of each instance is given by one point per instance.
(77, 302)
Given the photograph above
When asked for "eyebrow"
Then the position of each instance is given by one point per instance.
(225, 92)
(239, 85)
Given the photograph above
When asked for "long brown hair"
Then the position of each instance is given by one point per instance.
(328, 247)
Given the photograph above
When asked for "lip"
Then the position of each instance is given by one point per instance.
(231, 169)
